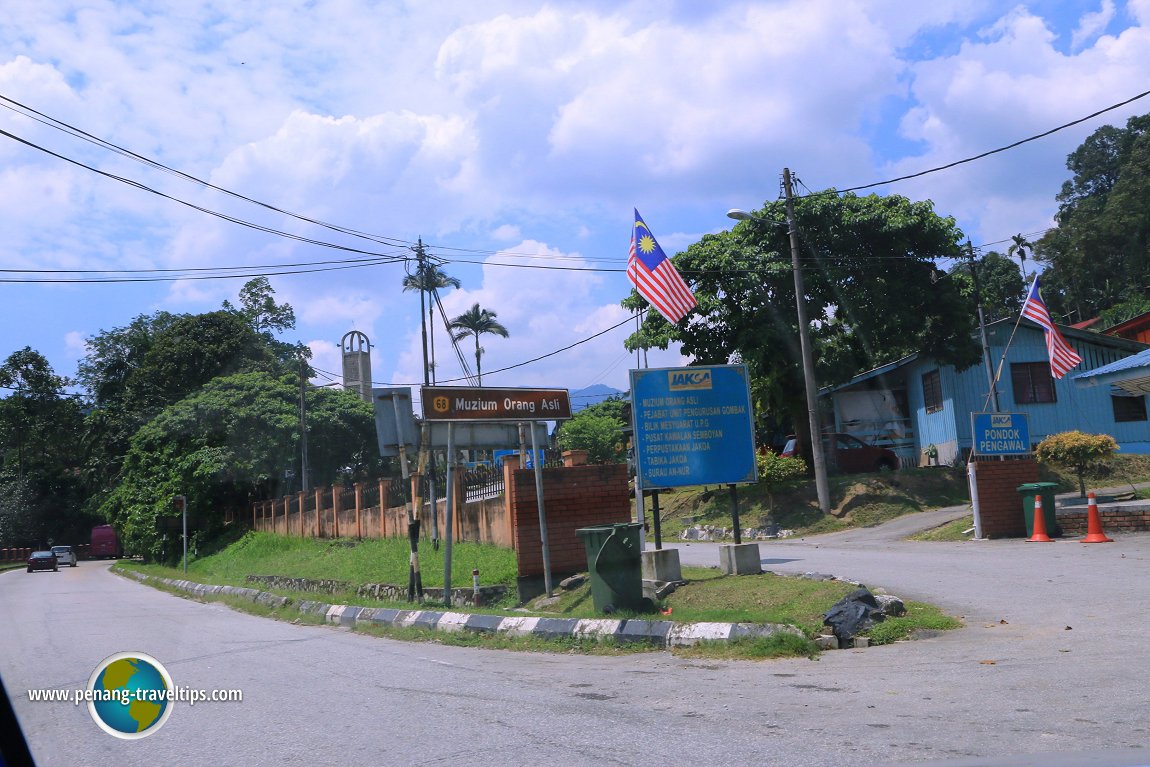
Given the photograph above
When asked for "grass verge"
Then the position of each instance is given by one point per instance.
(707, 596)
(344, 559)
(919, 617)
(951, 531)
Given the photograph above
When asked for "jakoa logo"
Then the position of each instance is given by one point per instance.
(683, 380)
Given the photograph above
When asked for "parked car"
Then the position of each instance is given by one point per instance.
(43, 560)
(65, 555)
(850, 455)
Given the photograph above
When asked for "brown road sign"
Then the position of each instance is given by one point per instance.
(441, 403)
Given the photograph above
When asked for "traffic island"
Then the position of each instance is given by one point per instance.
(658, 633)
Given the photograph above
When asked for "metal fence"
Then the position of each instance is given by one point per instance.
(482, 482)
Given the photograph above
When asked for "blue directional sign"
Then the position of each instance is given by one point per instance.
(693, 426)
(1000, 433)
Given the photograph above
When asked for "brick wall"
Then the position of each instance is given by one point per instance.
(574, 497)
(1000, 505)
(1115, 520)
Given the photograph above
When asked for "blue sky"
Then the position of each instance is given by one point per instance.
(508, 135)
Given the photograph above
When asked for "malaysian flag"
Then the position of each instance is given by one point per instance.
(1062, 356)
(654, 276)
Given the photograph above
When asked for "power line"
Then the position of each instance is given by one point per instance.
(509, 367)
(367, 261)
(178, 278)
(60, 125)
(193, 206)
(1016, 144)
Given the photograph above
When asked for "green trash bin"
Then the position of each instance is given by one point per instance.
(615, 565)
(1049, 513)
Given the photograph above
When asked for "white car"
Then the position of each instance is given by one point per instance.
(65, 555)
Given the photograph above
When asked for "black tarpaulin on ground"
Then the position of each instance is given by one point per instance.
(854, 613)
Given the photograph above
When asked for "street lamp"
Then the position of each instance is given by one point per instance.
(822, 487)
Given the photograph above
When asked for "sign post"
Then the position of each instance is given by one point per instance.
(1000, 433)
(395, 430)
(693, 426)
(181, 504)
(470, 404)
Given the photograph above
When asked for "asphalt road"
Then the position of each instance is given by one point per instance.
(318, 695)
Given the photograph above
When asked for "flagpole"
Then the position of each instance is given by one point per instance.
(640, 505)
(656, 280)
(993, 389)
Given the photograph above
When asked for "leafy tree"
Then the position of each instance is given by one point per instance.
(40, 490)
(231, 441)
(868, 265)
(20, 523)
(135, 371)
(1076, 450)
(1000, 284)
(431, 279)
(194, 350)
(598, 429)
(1124, 310)
(1100, 248)
(106, 371)
(259, 308)
(475, 322)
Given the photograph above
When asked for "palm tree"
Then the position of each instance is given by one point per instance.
(430, 278)
(1020, 246)
(474, 322)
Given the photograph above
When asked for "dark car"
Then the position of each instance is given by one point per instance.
(848, 454)
(43, 560)
(852, 455)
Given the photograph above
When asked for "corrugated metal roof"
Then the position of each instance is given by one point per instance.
(872, 373)
(1131, 363)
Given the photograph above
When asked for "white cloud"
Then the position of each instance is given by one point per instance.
(1010, 85)
(75, 343)
(326, 356)
(1093, 24)
(506, 232)
(529, 128)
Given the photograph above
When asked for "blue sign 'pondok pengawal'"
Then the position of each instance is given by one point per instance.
(1000, 433)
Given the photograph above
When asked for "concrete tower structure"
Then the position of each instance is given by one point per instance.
(357, 364)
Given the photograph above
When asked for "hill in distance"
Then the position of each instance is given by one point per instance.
(592, 395)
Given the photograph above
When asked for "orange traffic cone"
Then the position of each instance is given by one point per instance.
(1094, 532)
(1040, 535)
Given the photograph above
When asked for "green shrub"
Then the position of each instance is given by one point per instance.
(1076, 450)
(776, 471)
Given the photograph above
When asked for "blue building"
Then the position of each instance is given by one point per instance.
(915, 402)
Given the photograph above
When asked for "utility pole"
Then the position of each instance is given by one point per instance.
(822, 486)
(305, 481)
(427, 453)
(992, 387)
